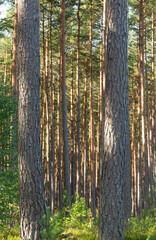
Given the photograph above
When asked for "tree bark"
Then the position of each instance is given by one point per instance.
(59, 137)
(52, 145)
(92, 153)
(14, 81)
(143, 122)
(153, 95)
(78, 105)
(116, 125)
(72, 160)
(31, 184)
(64, 106)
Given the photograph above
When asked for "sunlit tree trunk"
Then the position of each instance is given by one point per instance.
(116, 124)
(52, 145)
(133, 154)
(143, 123)
(139, 172)
(31, 183)
(14, 80)
(153, 94)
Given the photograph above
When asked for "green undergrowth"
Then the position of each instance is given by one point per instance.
(71, 223)
(9, 233)
(143, 227)
(76, 223)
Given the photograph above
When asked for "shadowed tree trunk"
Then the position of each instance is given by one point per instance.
(78, 105)
(64, 106)
(92, 153)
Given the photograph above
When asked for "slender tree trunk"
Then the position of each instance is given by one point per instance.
(153, 95)
(52, 146)
(5, 68)
(14, 80)
(72, 135)
(100, 136)
(97, 153)
(150, 173)
(48, 159)
(64, 106)
(143, 123)
(42, 88)
(59, 136)
(139, 175)
(85, 127)
(92, 154)
(14, 83)
(78, 105)
(116, 125)
(31, 183)
(133, 155)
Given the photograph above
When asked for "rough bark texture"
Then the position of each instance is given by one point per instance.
(116, 125)
(32, 199)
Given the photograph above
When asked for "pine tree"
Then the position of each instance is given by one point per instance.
(31, 185)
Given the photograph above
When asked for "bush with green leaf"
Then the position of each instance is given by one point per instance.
(9, 233)
(76, 215)
(52, 227)
(142, 227)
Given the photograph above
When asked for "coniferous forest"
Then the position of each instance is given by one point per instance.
(77, 120)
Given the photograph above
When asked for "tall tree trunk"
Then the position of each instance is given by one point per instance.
(52, 146)
(78, 105)
(14, 83)
(85, 147)
(153, 95)
(116, 125)
(14, 80)
(103, 88)
(72, 135)
(150, 173)
(31, 184)
(48, 159)
(42, 103)
(100, 133)
(59, 136)
(139, 172)
(92, 154)
(64, 106)
(133, 155)
(143, 123)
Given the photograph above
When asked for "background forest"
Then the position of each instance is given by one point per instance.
(85, 63)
